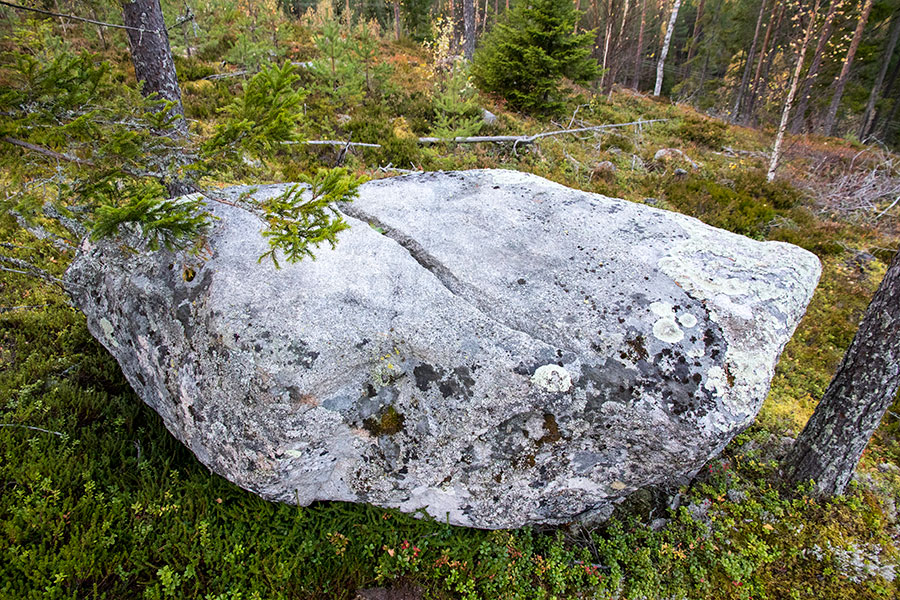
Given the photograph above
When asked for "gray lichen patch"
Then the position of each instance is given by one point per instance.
(667, 330)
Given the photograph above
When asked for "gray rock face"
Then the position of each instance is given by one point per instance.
(500, 351)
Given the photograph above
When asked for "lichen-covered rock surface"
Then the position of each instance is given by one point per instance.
(488, 346)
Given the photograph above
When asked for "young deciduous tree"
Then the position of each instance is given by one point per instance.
(789, 101)
(866, 383)
(525, 57)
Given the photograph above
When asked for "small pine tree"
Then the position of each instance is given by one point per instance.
(525, 57)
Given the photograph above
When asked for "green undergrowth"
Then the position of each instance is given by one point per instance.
(107, 504)
(102, 502)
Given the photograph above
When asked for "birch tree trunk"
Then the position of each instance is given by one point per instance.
(799, 119)
(830, 446)
(789, 101)
(745, 80)
(868, 117)
(660, 66)
(639, 51)
(831, 116)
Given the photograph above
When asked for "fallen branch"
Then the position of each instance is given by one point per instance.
(26, 268)
(31, 428)
(391, 167)
(528, 139)
(4, 309)
(73, 159)
(180, 21)
(241, 73)
(334, 143)
(884, 212)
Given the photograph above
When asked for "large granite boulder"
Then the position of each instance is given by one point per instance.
(489, 346)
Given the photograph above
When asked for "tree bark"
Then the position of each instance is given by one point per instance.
(745, 80)
(830, 446)
(882, 126)
(695, 36)
(639, 51)
(868, 117)
(660, 66)
(607, 38)
(396, 7)
(469, 27)
(151, 55)
(763, 54)
(831, 116)
(789, 101)
(799, 119)
(619, 48)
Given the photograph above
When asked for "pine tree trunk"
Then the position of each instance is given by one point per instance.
(607, 38)
(764, 53)
(396, 4)
(831, 116)
(868, 117)
(639, 51)
(619, 48)
(882, 124)
(745, 80)
(695, 36)
(789, 101)
(799, 120)
(151, 54)
(660, 66)
(865, 385)
(469, 28)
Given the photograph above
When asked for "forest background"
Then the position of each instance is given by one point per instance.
(98, 500)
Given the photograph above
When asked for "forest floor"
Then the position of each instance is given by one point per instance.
(99, 500)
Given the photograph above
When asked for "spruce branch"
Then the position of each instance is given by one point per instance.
(297, 224)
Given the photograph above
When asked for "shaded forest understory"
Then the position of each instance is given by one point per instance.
(99, 500)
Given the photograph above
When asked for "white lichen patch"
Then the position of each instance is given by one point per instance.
(552, 378)
(716, 381)
(687, 320)
(108, 330)
(662, 309)
(667, 330)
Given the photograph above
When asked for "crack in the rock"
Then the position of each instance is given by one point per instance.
(444, 275)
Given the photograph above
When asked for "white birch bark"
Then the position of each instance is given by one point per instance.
(665, 49)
